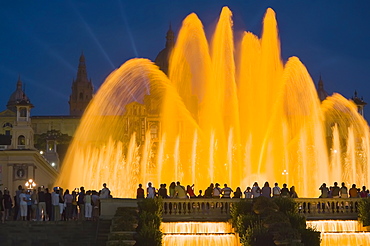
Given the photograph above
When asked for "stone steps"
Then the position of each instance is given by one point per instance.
(58, 233)
(122, 230)
(103, 232)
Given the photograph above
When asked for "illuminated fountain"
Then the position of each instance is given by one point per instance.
(336, 232)
(227, 114)
(198, 233)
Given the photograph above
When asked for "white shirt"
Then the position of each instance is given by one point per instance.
(21, 201)
(276, 190)
(104, 193)
(216, 191)
(226, 192)
(256, 192)
(151, 192)
(55, 199)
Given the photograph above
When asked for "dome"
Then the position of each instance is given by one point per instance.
(162, 59)
(17, 96)
(163, 56)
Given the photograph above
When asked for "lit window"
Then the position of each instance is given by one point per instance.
(21, 142)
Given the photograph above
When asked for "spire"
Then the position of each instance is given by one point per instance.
(82, 57)
(321, 83)
(19, 83)
(321, 91)
(82, 90)
(81, 72)
(170, 37)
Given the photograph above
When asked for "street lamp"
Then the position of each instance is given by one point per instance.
(30, 184)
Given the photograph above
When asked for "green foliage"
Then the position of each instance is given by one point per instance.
(277, 219)
(149, 235)
(286, 205)
(256, 235)
(150, 218)
(244, 221)
(125, 219)
(124, 224)
(263, 205)
(310, 237)
(151, 205)
(282, 233)
(296, 220)
(364, 211)
(61, 138)
(244, 207)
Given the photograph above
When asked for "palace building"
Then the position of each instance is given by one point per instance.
(30, 146)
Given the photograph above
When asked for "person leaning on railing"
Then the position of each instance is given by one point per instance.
(353, 193)
(335, 190)
(343, 191)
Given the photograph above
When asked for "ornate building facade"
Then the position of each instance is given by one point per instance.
(30, 146)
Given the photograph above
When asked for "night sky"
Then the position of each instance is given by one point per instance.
(41, 41)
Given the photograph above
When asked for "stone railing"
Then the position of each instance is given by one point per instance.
(219, 209)
(328, 208)
(197, 209)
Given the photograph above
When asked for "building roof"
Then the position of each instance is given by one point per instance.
(17, 96)
(358, 101)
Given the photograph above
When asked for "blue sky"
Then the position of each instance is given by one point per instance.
(42, 40)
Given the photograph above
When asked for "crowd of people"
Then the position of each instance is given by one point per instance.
(42, 205)
(176, 190)
(343, 192)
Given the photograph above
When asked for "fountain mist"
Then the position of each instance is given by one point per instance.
(221, 120)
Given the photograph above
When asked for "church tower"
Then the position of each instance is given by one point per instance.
(360, 103)
(82, 90)
(22, 137)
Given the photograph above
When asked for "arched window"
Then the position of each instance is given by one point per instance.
(81, 95)
(21, 142)
(7, 125)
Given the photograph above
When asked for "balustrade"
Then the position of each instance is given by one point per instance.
(197, 209)
(219, 209)
(316, 208)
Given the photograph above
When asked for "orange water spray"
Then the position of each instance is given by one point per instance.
(220, 120)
